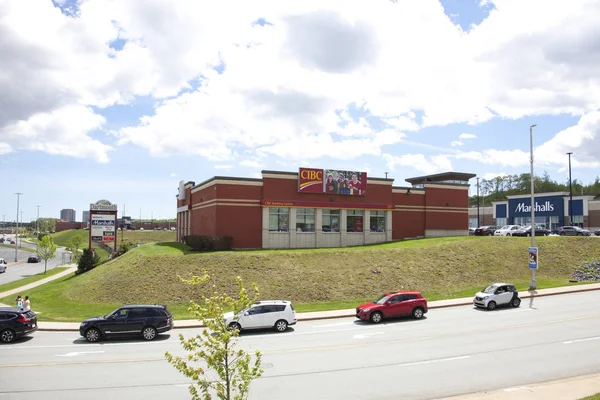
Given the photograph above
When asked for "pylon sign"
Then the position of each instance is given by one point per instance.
(103, 223)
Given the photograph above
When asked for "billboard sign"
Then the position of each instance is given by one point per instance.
(103, 228)
(330, 181)
(533, 258)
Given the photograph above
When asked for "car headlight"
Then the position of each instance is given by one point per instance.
(366, 310)
(486, 297)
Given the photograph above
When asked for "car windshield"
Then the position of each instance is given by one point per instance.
(505, 227)
(490, 289)
(381, 299)
(109, 314)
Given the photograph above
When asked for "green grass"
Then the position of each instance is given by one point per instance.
(30, 279)
(594, 397)
(314, 280)
(138, 237)
(12, 246)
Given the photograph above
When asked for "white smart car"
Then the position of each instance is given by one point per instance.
(278, 314)
(497, 294)
(507, 230)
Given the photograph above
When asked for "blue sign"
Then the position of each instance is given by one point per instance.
(545, 206)
(533, 257)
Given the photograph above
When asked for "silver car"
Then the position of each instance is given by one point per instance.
(497, 294)
(2, 265)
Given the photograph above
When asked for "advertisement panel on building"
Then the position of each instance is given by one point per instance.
(332, 181)
(103, 228)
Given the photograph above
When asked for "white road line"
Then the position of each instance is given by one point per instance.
(338, 324)
(79, 353)
(366, 335)
(581, 340)
(433, 361)
(58, 346)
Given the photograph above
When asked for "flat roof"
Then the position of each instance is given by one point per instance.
(441, 177)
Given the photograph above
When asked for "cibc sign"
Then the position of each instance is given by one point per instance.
(310, 180)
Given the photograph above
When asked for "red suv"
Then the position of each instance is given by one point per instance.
(393, 304)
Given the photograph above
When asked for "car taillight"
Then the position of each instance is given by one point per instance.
(22, 318)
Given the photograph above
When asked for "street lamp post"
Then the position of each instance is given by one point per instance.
(532, 284)
(477, 201)
(17, 233)
(570, 192)
(37, 229)
(21, 244)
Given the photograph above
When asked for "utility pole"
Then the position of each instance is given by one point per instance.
(386, 175)
(17, 232)
(37, 226)
(570, 192)
(21, 244)
(477, 201)
(140, 219)
(532, 284)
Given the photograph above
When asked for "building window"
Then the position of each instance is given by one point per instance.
(553, 222)
(578, 221)
(354, 221)
(500, 222)
(377, 221)
(305, 220)
(472, 222)
(331, 221)
(279, 219)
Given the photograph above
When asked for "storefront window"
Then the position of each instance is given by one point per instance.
(331, 221)
(377, 221)
(472, 222)
(578, 221)
(553, 223)
(499, 221)
(279, 219)
(354, 221)
(305, 220)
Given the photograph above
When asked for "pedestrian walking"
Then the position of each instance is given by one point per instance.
(26, 304)
(19, 302)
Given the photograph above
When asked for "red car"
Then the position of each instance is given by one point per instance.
(393, 304)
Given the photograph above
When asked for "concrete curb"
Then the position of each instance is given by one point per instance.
(184, 324)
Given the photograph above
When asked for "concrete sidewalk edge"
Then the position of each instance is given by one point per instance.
(185, 324)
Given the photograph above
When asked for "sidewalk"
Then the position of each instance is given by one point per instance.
(317, 315)
(563, 389)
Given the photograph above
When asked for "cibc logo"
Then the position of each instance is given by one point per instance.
(310, 180)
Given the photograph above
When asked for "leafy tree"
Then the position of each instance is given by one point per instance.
(74, 245)
(46, 250)
(88, 260)
(216, 347)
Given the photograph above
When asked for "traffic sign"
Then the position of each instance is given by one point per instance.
(533, 258)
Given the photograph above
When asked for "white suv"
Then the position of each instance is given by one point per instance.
(278, 314)
(507, 230)
(498, 294)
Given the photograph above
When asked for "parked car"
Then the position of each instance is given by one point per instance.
(140, 319)
(393, 304)
(12, 242)
(34, 258)
(485, 230)
(507, 230)
(526, 231)
(573, 231)
(597, 233)
(277, 314)
(2, 240)
(15, 324)
(2, 265)
(497, 294)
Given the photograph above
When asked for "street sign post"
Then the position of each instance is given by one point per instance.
(533, 258)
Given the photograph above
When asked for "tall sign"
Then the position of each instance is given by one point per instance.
(330, 181)
(103, 224)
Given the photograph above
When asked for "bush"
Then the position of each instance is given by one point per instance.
(41, 235)
(124, 247)
(88, 260)
(209, 243)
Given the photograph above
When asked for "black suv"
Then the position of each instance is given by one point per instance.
(485, 231)
(15, 323)
(140, 319)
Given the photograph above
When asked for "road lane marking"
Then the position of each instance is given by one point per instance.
(433, 361)
(338, 324)
(78, 345)
(366, 335)
(79, 353)
(581, 340)
(59, 364)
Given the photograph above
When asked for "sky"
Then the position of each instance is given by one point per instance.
(122, 99)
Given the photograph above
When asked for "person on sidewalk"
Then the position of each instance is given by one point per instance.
(19, 301)
(26, 304)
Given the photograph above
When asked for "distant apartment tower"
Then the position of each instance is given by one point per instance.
(85, 217)
(68, 215)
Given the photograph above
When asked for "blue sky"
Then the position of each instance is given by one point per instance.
(405, 87)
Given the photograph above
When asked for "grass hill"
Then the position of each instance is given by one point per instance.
(140, 237)
(323, 278)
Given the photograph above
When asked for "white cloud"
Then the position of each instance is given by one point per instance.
(287, 87)
(491, 175)
(456, 143)
(223, 166)
(465, 136)
(173, 174)
(420, 162)
(251, 163)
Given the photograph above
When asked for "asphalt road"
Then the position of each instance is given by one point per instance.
(22, 269)
(453, 351)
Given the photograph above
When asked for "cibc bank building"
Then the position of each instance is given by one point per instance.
(315, 208)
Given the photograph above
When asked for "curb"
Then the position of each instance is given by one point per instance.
(348, 315)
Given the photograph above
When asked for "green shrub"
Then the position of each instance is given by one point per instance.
(87, 261)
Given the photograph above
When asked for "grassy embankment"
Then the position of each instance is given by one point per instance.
(314, 279)
(12, 246)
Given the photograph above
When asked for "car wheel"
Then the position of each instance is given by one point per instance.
(149, 333)
(376, 317)
(92, 335)
(579, 234)
(234, 326)
(491, 305)
(281, 325)
(562, 234)
(516, 302)
(8, 336)
(417, 313)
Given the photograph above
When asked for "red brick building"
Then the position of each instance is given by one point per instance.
(275, 212)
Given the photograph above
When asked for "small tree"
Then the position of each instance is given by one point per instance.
(46, 250)
(87, 261)
(74, 245)
(216, 347)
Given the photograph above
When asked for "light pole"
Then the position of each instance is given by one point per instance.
(570, 192)
(17, 234)
(21, 244)
(37, 229)
(532, 284)
(477, 201)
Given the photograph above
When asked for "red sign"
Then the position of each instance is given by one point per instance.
(310, 180)
(325, 204)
